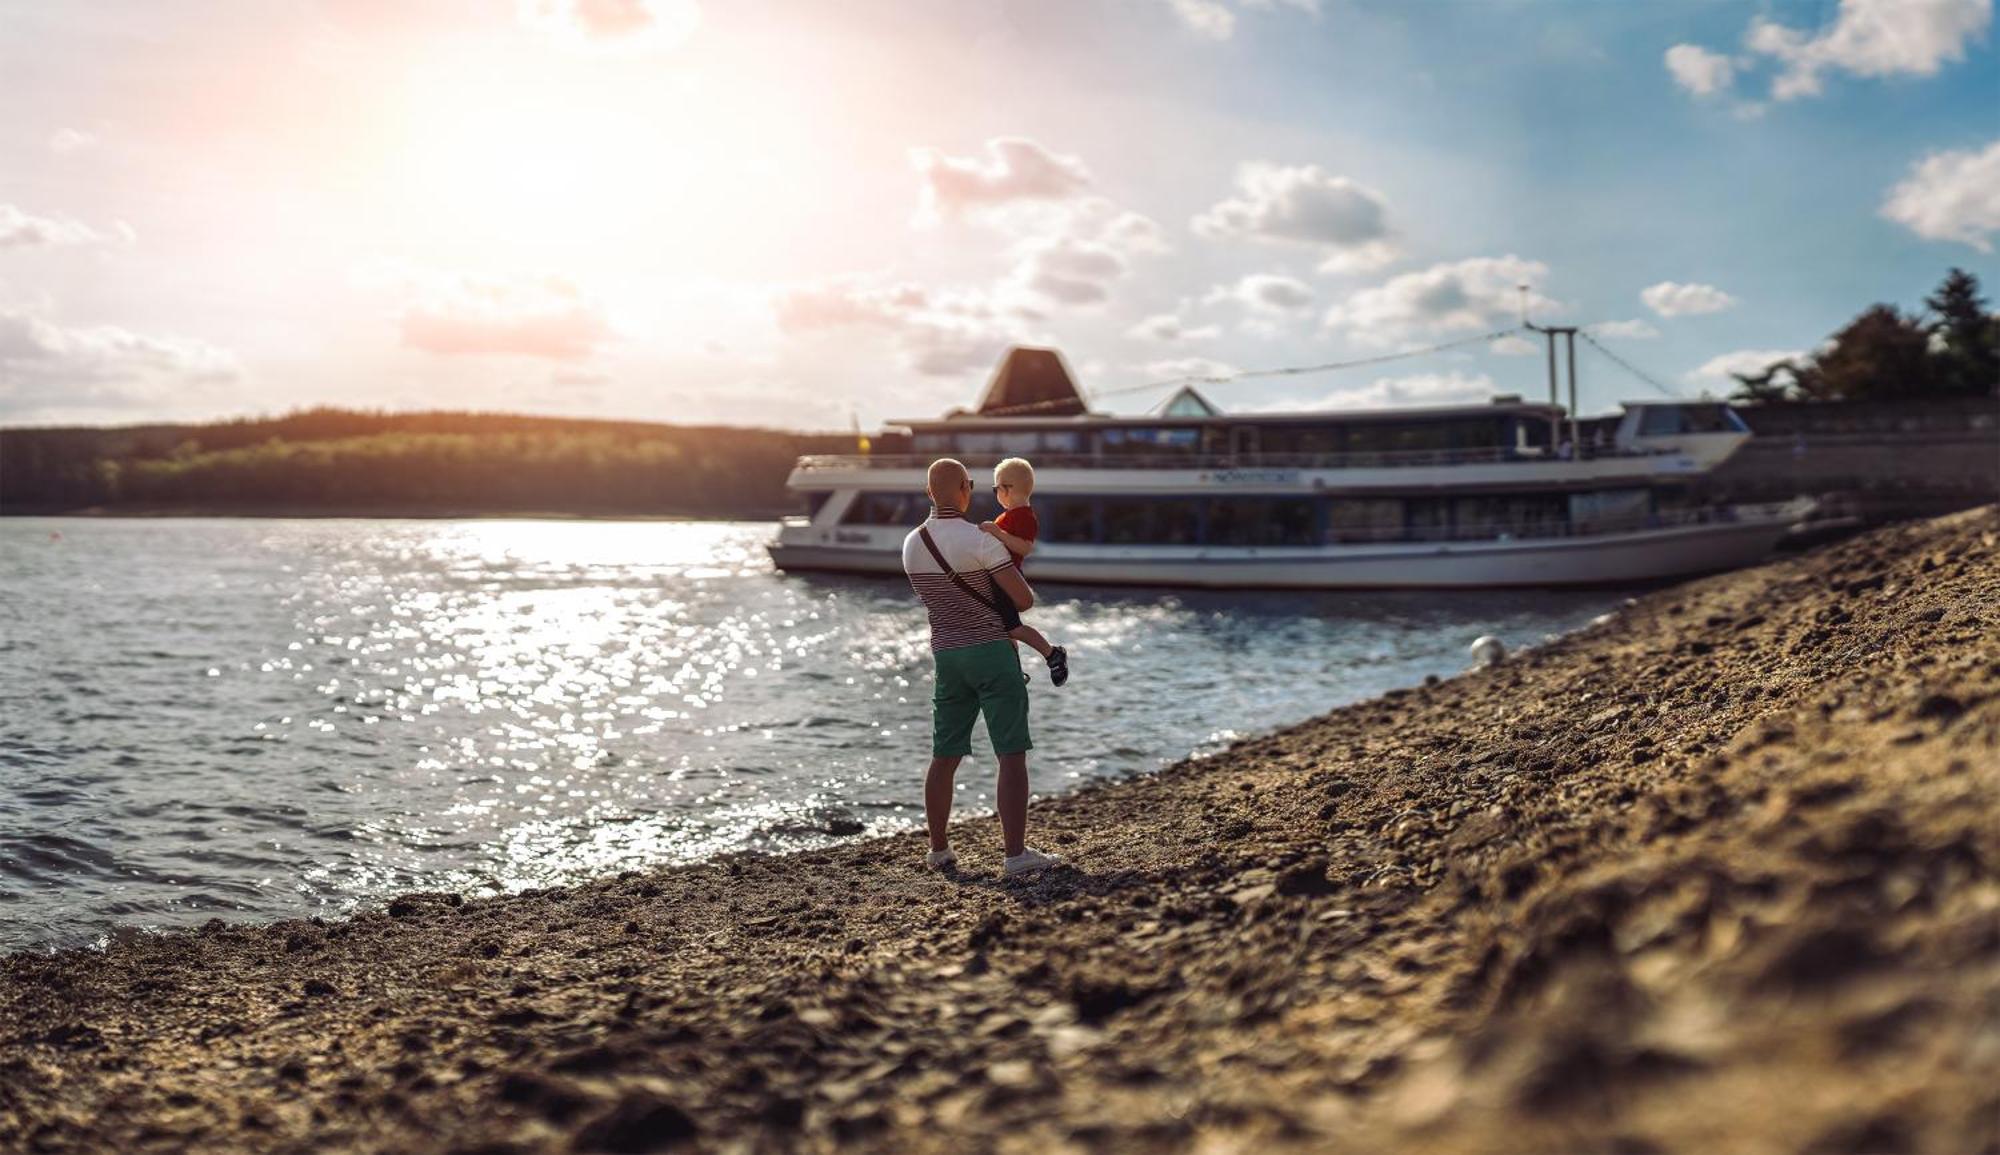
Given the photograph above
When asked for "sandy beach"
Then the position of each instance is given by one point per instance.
(1719, 873)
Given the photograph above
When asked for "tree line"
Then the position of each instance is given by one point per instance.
(340, 460)
(1950, 349)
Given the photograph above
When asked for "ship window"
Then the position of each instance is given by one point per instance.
(1261, 521)
(1304, 439)
(985, 507)
(932, 443)
(1140, 521)
(1429, 518)
(1364, 519)
(1067, 519)
(1708, 419)
(1659, 421)
(1062, 441)
(1609, 509)
(887, 509)
(1426, 437)
(1370, 439)
(1533, 515)
(1668, 420)
(1531, 433)
(1141, 442)
(816, 500)
(1482, 434)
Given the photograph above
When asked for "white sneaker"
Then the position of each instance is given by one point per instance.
(1029, 861)
(941, 859)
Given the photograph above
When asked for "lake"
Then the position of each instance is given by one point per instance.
(256, 719)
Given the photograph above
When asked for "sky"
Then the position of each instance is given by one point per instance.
(809, 215)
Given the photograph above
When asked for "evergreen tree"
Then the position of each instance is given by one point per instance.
(1882, 355)
(1966, 339)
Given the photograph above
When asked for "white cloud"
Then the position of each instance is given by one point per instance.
(1871, 38)
(1206, 18)
(1123, 229)
(1268, 293)
(1186, 368)
(70, 140)
(20, 230)
(1068, 271)
(935, 334)
(1172, 327)
(1304, 205)
(1951, 196)
(1513, 346)
(1673, 299)
(1476, 293)
(48, 368)
(1214, 20)
(624, 25)
(1720, 368)
(1700, 71)
(1013, 169)
(452, 313)
(1417, 389)
(1635, 329)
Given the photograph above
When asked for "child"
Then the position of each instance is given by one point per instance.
(1014, 485)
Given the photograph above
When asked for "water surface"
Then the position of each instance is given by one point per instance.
(261, 719)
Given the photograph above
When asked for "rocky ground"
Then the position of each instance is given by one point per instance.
(1719, 874)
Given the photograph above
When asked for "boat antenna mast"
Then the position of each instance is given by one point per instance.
(1551, 332)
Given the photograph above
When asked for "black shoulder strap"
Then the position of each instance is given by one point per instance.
(931, 544)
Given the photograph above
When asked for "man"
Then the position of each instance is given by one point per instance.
(977, 672)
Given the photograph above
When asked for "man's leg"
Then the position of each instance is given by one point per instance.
(1013, 797)
(937, 798)
(954, 708)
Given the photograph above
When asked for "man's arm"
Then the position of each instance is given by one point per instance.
(1016, 587)
(1020, 545)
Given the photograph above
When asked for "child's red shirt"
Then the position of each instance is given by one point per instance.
(1021, 522)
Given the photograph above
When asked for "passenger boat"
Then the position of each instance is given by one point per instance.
(1510, 493)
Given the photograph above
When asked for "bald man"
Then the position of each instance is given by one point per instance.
(958, 573)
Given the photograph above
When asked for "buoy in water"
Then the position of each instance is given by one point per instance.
(1487, 650)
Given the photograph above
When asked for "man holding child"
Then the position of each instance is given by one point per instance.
(964, 575)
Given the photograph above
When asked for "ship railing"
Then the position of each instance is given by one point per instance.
(1213, 462)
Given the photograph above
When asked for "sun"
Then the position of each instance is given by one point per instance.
(536, 168)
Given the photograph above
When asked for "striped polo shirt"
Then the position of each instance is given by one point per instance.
(957, 620)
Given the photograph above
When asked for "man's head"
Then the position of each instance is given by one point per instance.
(949, 485)
(1013, 482)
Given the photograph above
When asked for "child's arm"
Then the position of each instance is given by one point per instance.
(1020, 545)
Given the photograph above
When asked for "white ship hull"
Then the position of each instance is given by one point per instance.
(1644, 555)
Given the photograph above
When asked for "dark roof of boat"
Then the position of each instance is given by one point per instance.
(1032, 382)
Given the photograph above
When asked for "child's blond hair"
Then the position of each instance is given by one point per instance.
(1016, 471)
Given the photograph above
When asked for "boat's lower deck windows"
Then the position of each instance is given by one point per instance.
(1147, 521)
(1354, 519)
(1271, 521)
(1263, 521)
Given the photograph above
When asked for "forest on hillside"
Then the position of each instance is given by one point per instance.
(347, 461)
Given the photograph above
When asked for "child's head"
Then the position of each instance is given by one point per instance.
(1013, 482)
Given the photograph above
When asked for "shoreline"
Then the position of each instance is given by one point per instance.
(1718, 873)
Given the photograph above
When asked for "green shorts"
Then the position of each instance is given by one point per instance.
(974, 680)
